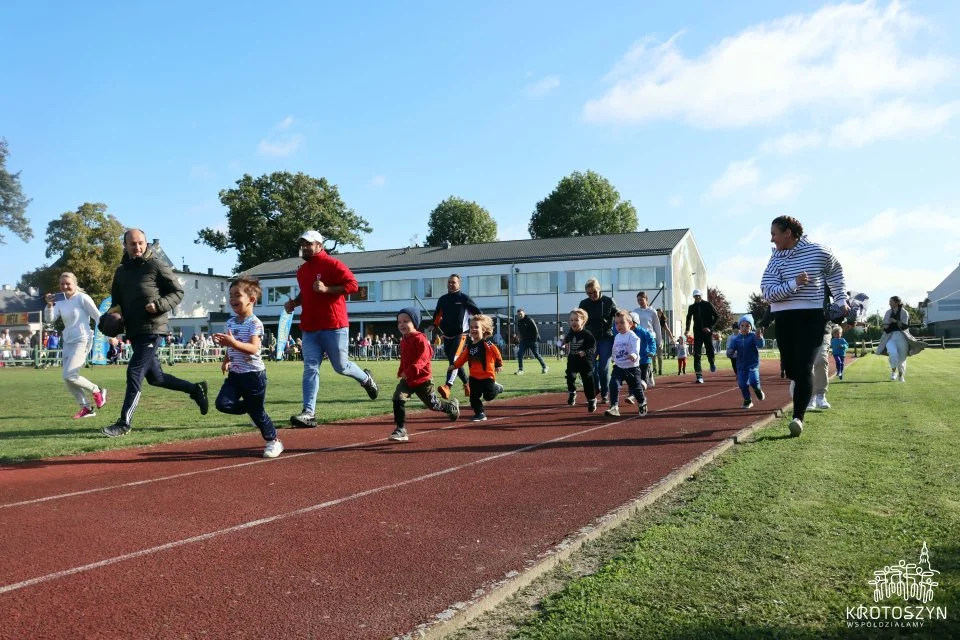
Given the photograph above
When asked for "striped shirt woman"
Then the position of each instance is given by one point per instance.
(794, 284)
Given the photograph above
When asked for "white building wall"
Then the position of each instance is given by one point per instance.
(945, 300)
(202, 294)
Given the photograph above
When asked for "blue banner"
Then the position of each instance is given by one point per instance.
(283, 332)
(101, 343)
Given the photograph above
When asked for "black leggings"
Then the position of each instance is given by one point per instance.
(799, 335)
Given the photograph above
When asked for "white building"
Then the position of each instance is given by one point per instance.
(942, 312)
(544, 277)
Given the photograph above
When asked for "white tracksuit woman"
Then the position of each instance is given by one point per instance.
(76, 311)
(897, 342)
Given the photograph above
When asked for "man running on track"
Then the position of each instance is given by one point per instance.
(452, 320)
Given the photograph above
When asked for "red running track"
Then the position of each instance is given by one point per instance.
(346, 535)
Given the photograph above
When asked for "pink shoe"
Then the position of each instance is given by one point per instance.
(85, 412)
(100, 398)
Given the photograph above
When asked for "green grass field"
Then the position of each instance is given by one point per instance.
(36, 412)
(780, 536)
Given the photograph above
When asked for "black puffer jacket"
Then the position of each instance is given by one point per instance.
(138, 282)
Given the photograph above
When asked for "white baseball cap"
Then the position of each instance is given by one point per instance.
(696, 292)
(312, 236)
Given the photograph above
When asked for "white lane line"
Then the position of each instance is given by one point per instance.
(228, 467)
(323, 505)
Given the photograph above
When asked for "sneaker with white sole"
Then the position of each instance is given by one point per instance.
(592, 405)
(642, 409)
(546, 369)
(480, 417)
(614, 410)
(903, 378)
(116, 430)
(631, 399)
(572, 398)
(821, 401)
(304, 420)
(812, 405)
(796, 427)
(85, 412)
(699, 379)
(273, 449)
(453, 410)
(371, 385)
(100, 398)
(518, 372)
(761, 396)
(893, 376)
(747, 404)
(399, 434)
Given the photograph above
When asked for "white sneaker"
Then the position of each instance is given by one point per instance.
(651, 383)
(796, 427)
(273, 449)
(518, 372)
(546, 369)
(813, 404)
(614, 410)
(893, 376)
(902, 378)
(822, 401)
(631, 400)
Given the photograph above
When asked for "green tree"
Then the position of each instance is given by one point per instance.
(757, 306)
(13, 204)
(583, 204)
(461, 222)
(719, 302)
(266, 215)
(88, 242)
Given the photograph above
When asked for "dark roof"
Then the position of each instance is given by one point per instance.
(15, 301)
(641, 243)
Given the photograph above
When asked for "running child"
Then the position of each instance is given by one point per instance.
(583, 352)
(627, 347)
(745, 346)
(485, 363)
(648, 353)
(245, 388)
(681, 356)
(839, 346)
(416, 374)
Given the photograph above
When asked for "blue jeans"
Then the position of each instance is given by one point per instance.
(747, 378)
(243, 393)
(331, 343)
(532, 345)
(601, 370)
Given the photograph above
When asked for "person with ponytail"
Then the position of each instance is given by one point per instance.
(76, 310)
(897, 343)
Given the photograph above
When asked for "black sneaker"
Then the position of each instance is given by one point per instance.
(400, 434)
(748, 404)
(643, 409)
(371, 385)
(303, 420)
(116, 430)
(480, 417)
(453, 410)
(760, 394)
(592, 405)
(572, 398)
(200, 397)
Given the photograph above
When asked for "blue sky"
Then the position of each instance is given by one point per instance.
(843, 115)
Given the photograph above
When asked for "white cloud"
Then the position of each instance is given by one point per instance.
(675, 201)
(791, 143)
(741, 184)
(378, 182)
(738, 177)
(513, 232)
(280, 146)
(543, 86)
(897, 119)
(844, 55)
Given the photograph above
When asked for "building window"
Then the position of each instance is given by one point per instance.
(639, 278)
(434, 287)
(196, 284)
(362, 294)
(398, 289)
(222, 286)
(533, 283)
(577, 280)
(487, 285)
(279, 295)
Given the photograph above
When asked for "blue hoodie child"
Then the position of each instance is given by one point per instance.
(745, 347)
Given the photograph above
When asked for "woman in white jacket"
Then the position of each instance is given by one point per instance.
(76, 311)
(897, 342)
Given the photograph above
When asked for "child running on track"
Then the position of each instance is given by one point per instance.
(745, 347)
(245, 388)
(485, 363)
(416, 374)
(838, 346)
(583, 350)
(681, 356)
(627, 346)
